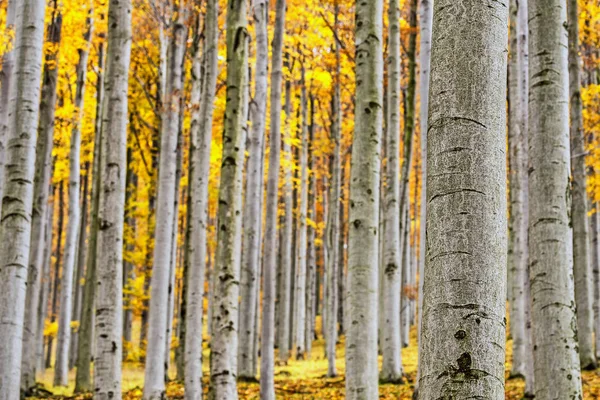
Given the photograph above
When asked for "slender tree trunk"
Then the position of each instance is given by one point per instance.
(182, 315)
(363, 264)
(61, 368)
(109, 302)
(83, 376)
(310, 236)
(41, 192)
(55, 286)
(224, 344)
(404, 299)
(579, 207)
(45, 290)
(267, 362)
(128, 267)
(595, 243)
(463, 326)
(201, 135)
(17, 200)
(425, 25)
(391, 370)
(250, 277)
(6, 83)
(286, 234)
(557, 371)
(518, 252)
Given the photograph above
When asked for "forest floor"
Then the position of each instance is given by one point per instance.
(306, 379)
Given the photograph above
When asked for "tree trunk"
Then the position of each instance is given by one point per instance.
(404, 299)
(286, 234)
(310, 237)
(224, 345)
(250, 277)
(41, 190)
(201, 135)
(463, 325)
(267, 362)
(61, 368)
(363, 264)
(128, 267)
(17, 200)
(595, 243)
(6, 83)
(391, 369)
(83, 378)
(425, 25)
(518, 252)
(109, 302)
(557, 370)
(45, 290)
(579, 207)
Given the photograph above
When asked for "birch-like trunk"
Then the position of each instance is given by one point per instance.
(363, 264)
(6, 82)
(286, 235)
(224, 341)
(41, 191)
(45, 290)
(463, 325)
(201, 136)
(61, 367)
(518, 253)
(300, 287)
(250, 276)
(17, 201)
(406, 266)
(85, 344)
(267, 362)
(425, 25)
(154, 387)
(595, 243)
(579, 206)
(556, 356)
(113, 170)
(311, 255)
(391, 369)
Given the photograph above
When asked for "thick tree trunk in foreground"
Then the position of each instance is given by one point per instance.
(463, 331)
(85, 344)
(41, 191)
(557, 371)
(17, 200)
(224, 342)
(391, 370)
(154, 387)
(113, 170)
(267, 362)
(201, 135)
(250, 275)
(363, 264)
(579, 206)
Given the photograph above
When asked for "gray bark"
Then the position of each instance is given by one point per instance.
(595, 243)
(406, 266)
(556, 357)
(17, 201)
(45, 290)
(109, 301)
(224, 341)
(464, 292)
(267, 362)
(41, 190)
(579, 206)
(363, 264)
(391, 370)
(201, 135)
(250, 276)
(85, 344)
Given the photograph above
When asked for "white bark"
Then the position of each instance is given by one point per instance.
(45, 290)
(363, 264)
(267, 363)
(109, 300)
(18, 176)
(201, 135)
(250, 276)
(595, 243)
(579, 206)
(556, 358)
(391, 370)
(464, 292)
(224, 341)
(154, 386)
(406, 266)
(300, 286)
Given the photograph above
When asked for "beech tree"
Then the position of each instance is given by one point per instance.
(463, 324)
(556, 357)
